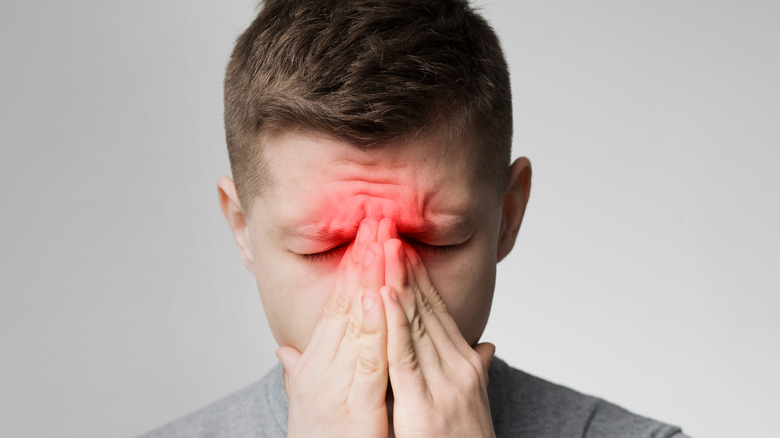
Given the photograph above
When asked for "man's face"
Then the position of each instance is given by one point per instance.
(322, 188)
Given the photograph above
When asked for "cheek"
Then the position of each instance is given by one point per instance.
(466, 283)
(292, 293)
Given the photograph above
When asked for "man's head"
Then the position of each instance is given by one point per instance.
(366, 72)
(337, 111)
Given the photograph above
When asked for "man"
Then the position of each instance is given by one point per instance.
(372, 199)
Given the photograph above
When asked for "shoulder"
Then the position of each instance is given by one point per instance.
(523, 404)
(254, 411)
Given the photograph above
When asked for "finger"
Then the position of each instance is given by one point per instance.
(365, 235)
(373, 275)
(344, 269)
(404, 366)
(421, 282)
(418, 273)
(350, 283)
(429, 338)
(444, 332)
(486, 352)
(449, 344)
(335, 323)
(386, 230)
(288, 357)
(337, 313)
(396, 276)
(369, 385)
(344, 278)
(339, 327)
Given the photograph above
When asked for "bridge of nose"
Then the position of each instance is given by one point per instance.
(356, 202)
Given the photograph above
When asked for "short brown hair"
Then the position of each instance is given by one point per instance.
(366, 72)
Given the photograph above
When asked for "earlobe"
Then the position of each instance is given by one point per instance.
(236, 219)
(515, 202)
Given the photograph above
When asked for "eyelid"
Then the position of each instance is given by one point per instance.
(327, 254)
(434, 249)
(338, 249)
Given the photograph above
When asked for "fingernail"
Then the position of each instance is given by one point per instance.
(368, 302)
(393, 230)
(394, 296)
(370, 256)
(401, 252)
(364, 232)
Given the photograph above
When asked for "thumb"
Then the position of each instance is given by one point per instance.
(486, 351)
(288, 357)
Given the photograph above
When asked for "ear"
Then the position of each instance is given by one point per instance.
(513, 209)
(231, 208)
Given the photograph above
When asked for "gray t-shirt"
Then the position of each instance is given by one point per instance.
(521, 405)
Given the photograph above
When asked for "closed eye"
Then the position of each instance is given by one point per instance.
(338, 251)
(433, 249)
(334, 252)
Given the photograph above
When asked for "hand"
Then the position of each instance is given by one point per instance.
(337, 387)
(439, 382)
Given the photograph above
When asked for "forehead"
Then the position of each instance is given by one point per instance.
(322, 183)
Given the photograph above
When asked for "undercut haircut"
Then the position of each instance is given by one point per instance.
(367, 72)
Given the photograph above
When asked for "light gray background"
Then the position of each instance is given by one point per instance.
(646, 271)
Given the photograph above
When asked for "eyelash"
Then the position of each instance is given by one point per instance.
(434, 249)
(337, 250)
(325, 255)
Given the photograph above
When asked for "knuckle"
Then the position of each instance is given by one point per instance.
(417, 327)
(472, 382)
(405, 322)
(422, 300)
(476, 360)
(369, 330)
(338, 304)
(436, 300)
(470, 379)
(368, 365)
(354, 329)
(408, 358)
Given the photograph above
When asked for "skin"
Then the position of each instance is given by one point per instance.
(344, 250)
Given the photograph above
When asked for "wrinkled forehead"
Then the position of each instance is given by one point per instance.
(324, 184)
(336, 211)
